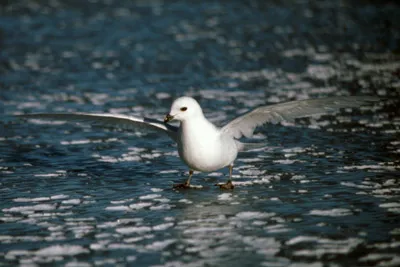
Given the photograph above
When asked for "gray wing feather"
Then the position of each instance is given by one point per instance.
(289, 111)
(110, 120)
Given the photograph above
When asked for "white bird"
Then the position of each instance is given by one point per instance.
(205, 147)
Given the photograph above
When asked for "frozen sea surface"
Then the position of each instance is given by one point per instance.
(325, 192)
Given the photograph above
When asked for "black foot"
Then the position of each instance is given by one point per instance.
(227, 186)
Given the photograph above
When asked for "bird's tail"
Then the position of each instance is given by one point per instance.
(244, 147)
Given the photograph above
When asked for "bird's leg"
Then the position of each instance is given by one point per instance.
(228, 184)
(187, 183)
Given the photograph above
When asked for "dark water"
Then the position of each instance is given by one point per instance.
(325, 193)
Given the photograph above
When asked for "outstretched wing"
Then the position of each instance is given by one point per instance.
(109, 120)
(246, 124)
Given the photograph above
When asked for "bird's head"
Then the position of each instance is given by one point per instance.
(183, 108)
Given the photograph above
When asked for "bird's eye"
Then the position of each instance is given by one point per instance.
(183, 108)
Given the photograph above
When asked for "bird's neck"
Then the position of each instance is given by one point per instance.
(200, 124)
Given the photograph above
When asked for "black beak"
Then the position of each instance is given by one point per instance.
(168, 118)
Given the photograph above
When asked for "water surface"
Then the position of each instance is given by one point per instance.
(325, 192)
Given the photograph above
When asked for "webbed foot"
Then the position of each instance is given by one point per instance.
(182, 186)
(227, 186)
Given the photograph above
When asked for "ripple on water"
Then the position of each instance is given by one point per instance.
(321, 247)
(332, 213)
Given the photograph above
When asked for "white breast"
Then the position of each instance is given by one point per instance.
(202, 148)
